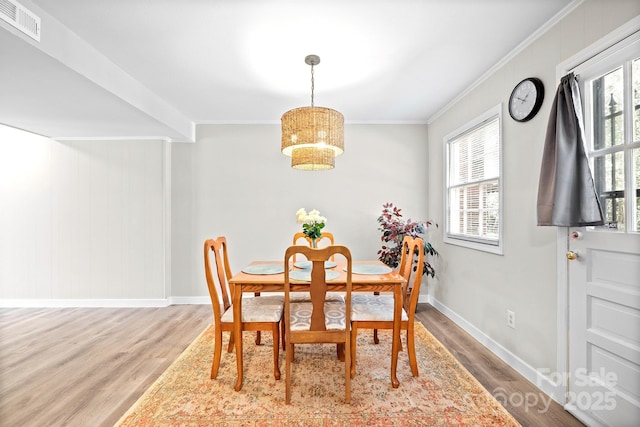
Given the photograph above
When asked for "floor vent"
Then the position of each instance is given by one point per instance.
(21, 18)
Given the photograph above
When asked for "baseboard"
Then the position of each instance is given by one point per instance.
(99, 303)
(556, 391)
(190, 300)
(85, 303)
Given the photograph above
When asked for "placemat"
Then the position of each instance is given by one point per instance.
(369, 269)
(305, 275)
(307, 264)
(264, 269)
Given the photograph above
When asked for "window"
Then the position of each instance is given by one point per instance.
(473, 200)
(611, 90)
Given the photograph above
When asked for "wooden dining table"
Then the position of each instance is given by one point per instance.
(260, 283)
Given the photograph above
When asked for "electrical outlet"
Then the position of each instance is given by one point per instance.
(511, 319)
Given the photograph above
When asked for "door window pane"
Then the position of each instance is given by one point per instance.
(609, 180)
(608, 109)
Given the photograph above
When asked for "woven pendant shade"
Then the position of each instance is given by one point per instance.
(312, 127)
(313, 159)
(312, 136)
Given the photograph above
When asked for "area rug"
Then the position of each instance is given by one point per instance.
(444, 393)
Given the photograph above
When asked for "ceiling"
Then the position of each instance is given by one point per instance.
(145, 69)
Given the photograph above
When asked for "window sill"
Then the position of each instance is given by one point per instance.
(484, 247)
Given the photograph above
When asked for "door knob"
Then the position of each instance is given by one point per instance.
(571, 255)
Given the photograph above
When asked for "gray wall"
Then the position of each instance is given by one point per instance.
(235, 182)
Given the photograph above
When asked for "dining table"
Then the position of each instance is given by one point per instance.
(268, 276)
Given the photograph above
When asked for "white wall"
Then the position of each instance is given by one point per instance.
(235, 182)
(478, 287)
(80, 220)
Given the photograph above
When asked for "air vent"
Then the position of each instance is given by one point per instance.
(21, 18)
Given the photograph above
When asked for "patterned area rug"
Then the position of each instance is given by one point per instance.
(444, 393)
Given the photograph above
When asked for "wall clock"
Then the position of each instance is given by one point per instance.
(526, 99)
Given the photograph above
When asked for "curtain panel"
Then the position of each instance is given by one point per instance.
(566, 192)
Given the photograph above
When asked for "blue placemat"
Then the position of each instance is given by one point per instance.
(264, 269)
(307, 264)
(305, 275)
(370, 269)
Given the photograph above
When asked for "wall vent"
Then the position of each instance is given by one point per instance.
(21, 18)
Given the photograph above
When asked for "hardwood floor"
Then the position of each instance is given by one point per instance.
(87, 366)
(495, 375)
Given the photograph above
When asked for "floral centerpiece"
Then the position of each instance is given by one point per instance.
(312, 224)
(394, 228)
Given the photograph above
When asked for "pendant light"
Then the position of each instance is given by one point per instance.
(312, 136)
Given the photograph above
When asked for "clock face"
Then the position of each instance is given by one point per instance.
(526, 99)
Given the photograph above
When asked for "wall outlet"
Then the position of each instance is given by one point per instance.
(511, 319)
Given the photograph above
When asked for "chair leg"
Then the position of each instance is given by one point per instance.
(217, 353)
(340, 351)
(287, 395)
(276, 350)
(411, 350)
(354, 337)
(231, 342)
(258, 336)
(284, 343)
(347, 371)
(375, 331)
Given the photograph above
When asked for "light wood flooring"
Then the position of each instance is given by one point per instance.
(87, 366)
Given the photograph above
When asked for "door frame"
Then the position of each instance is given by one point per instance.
(562, 233)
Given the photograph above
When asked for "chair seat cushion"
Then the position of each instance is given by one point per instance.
(258, 309)
(334, 314)
(367, 307)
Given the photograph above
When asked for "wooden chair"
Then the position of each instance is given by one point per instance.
(304, 296)
(258, 314)
(318, 320)
(376, 311)
(325, 235)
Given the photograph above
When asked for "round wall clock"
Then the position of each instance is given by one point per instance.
(526, 99)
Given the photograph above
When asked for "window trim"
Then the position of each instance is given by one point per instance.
(470, 242)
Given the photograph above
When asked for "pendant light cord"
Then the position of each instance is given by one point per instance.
(312, 84)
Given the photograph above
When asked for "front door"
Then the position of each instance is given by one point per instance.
(604, 316)
(604, 262)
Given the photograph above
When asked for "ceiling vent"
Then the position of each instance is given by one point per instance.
(21, 18)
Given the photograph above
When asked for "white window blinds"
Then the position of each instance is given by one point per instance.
(473, 183)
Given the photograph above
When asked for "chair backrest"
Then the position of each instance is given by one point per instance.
(411, 263)
(318, 284)
(324, 235)
(219, 292)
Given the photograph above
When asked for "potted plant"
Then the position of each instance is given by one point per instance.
(393, 229)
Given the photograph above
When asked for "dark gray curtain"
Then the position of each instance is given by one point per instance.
(566, 193)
